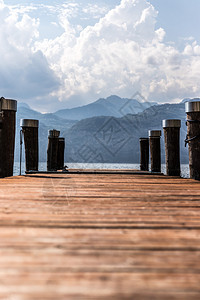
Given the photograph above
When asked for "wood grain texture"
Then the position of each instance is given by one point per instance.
(172, 150)
(31, 147)
(52, 154)
(155, 154)
(193, 130)
(7, 143)
(98, 236)
(144, 154)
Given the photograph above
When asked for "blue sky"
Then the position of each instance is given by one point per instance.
(60, 54)
(180, 19)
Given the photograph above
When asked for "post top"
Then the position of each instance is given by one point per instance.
(171, 123)
(61, 139)
(29, 123)
(54, 133)
(192, 106)
(8, 104)
(155, 133)
(144, 139)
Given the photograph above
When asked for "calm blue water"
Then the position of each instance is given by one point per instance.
(43, 167)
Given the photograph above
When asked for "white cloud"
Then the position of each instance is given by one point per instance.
(95, 10)
(24, 73)
(21, 9)
(122, 53)
(189, 38)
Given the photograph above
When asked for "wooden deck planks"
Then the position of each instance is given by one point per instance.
(99, 236)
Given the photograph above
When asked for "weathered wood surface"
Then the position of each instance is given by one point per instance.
(31, 147)
(52, 154)
(172, 150)
(193, 130)
(155, 154)
(7, 143)
(144, 154)
(61, 153)
(115, 236)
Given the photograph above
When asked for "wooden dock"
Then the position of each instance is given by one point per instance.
(99, 236)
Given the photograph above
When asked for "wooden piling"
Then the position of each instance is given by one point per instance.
(8, 110)
(144, 154)
(1, 146)
(193, 137)
(30, 133)
(154, 141)
(52, 151)
(61, 153)
(171, 129)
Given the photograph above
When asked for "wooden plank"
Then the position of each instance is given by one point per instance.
(102, 236)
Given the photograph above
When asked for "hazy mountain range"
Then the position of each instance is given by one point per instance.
(109, 139)
(107, 130)
(112, 106)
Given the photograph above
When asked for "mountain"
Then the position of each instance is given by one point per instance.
(116, 140)
(111, 106)
(64, 119)
(22, 104)
(106, 138)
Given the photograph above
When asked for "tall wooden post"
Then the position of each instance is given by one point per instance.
(52, 151)
(144, 154)
(30, 132)
(61, 153)
(1, 147)
(8, 110)
(193, 137)
(171, 130)
(154, 141)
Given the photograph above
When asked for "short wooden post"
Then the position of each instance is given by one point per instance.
(8, 110)
(52, 151)
(1, 147)
(154, 141)
(144, 154)
(61, 153)
(193, 137)
(30, 133)
(171, 130)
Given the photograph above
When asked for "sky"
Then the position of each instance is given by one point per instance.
(60, 54)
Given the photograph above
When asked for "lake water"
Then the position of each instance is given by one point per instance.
(43, 167)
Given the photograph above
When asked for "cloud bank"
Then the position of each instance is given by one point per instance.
(122, 53)
(24, 73)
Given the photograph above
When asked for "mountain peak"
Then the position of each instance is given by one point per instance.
(23, 104)
(112, 106)
(113, 97)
